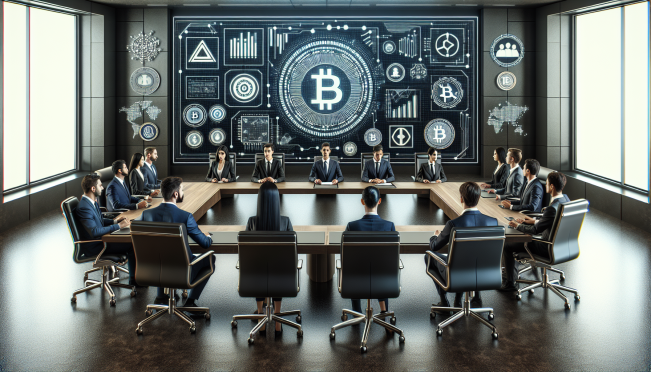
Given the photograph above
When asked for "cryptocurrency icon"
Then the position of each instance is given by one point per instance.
(447, 45)
(373, 137)
(332, 88)
(217, 136)
(401, 136)
(194, 115)
(350, 149)
(506, 80)
(507, 50)
(389, 47)
(447, 92)
(244, 88)
(148, 131)
(194, 139)
(395, 72)
(439, 133)
(217, 113)
(418, 72)
(145, 81)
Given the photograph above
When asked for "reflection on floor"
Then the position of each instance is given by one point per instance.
(607, 330)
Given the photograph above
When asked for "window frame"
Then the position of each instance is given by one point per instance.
(77, 100)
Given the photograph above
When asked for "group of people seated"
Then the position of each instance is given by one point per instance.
(507, 183)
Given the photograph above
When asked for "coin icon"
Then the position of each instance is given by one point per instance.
(506, 80)
(373, 137)
(217, 113)
(194, 139)
(389, 47)
(395, 72)
(194, 115)
(148, 131)
(350, 149)
(217, 136)
(439, 133)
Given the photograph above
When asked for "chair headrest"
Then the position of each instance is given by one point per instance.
(157, 228)
(105, 174)
(370, 237)
(543, 173)
(579, 206)
(68, 208)
(479, 233)
(266, 237)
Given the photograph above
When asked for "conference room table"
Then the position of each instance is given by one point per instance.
(321, 242)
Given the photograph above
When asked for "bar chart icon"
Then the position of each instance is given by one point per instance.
(244, 47)
(402, 104)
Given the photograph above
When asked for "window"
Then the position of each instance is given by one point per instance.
(612, 94)
(39, 94)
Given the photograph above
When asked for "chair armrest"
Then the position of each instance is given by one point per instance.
(401, 266)
(103, 209)
(413, 178)
(209, 253)
(87, 241)
(141, 196)
(338, 264)
(237, 265)
(300, 264)
(437, 258)
(237, 177)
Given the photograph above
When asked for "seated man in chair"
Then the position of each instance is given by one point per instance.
(371, 222)
(378, 170)
(268, 169)
(172, 190)
(470, 217)
(118, 192)
(326, 169)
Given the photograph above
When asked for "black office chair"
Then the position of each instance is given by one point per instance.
(232, 158)
(277, 156)
(366, 156)
(319, 157)
(162, 261)
(269, 267)
(419, 159)
(563, 245)
(106, 176)
(474, 264)
(369, 268)
(109, 264)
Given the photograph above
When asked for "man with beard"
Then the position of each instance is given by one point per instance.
(149, 171)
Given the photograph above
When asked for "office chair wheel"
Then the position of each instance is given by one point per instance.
(344, 317)
(401, 339)
(577, 297)
(531, 291)
(299, 333)
(495, 335)
(193, 329)
(148, 312)
(133, 293)
(491, 316)
(207, 316)
(138, 331)
(432, 315)
(85, 278)
(518, 297)
(563, 277)
(250, 341)
(567, 306)
(112, 302)
(439, 331)
(73, 299)
(363, 349)
(234, 323)
(298, 318)
(332, 335)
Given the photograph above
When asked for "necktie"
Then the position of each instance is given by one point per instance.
(377, 169)
(99, 211)
(432, 168)
(153, 170)
(326, 166)
(126, 187)
(268, 169)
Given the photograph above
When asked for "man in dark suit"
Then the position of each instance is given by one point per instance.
(378, 170)
(431, 172)
(532, 193)
(371, 222)
(470, 217)
(172, 190)
(326, 169)
(554, 187)
(268, 169)
(515, 179)
(95, 225)
(118, 192)
(149, 171)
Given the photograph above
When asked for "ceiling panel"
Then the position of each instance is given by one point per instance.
(328, 3)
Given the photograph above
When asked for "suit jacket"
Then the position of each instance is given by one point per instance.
(285, 224)
(137, 184)
(468, 219)
(530, 197)
(227, 171)
(544, 225)
(513, 186)
(167, 212)
(370, 222)
(318, 171)
(151, 176)
(386, 173)
(260, 170)
(119, 197)
(499, 178)
(424, 173)
(93, 226)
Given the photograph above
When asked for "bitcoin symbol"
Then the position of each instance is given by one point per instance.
(439, 134)
(320, 88)
(446, 92)
(195, 115)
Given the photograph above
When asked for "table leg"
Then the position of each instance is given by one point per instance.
(320, 267)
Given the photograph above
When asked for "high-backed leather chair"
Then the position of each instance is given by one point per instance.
(542, 177)
(369, 268)
(277, 156)
(474, 264)
(106, 176)
(232, 158)
(109, 264)
(319, 157)
(269, 267)
(563, 246)
(162, 261)
(419, 159)
(366, 156)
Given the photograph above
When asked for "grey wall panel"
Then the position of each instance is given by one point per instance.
(491, 138)
(73, 188)
(528, 122)
(156, 20)
(566, 160)
(14, 213)
(109, 156)
(160, 64)
(85, 70)
(97, 70)
(541, 32)
(109, 31)
(97, 27)
(126, 152)
(124, 131)
(163, 120)
(521, 14)
(123, 33)
(553, 69)
(97, 122)
(85, 121)
(566, 122)
(525, 73)
(528, 152)
(553, 122)
(554, 157)
(554, 28)
(636, 213)
(490, 72)
(109, 71)
(124, 67)
(97, 158)
(574, 188)
(46, 200)
(85, 158)
(110, 114)
(162, 165)
(494, 25)
(566, 71)
(541, 155)
(129, 15)
(541, 74)
(541, 121)
(526, 32)
(604, 200)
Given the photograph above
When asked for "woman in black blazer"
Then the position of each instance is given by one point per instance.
(501, 173)
(136, 178)
(269, 219)
(221, 170)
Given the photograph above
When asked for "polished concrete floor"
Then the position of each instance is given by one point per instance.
(607, 330)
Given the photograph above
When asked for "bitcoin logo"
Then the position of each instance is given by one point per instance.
(350, 148)
(373, 137)
(447, 92)
(320, 88)
(194, 115)
(439, 133)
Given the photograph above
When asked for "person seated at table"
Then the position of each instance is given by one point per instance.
(268, 218)
(137, 178)
(118, 192)
(168, 211)
(371, 222)
(268, 169)
(501, 172)
(221, 170)
(149, 170)
(515, 180)
(94, 225)
(470, 193)
(326, 169)
(532, 192)
(554, 187)
(378, 170)
(431, 172)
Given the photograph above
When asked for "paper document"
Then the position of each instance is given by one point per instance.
(384, 184)
(326, 183)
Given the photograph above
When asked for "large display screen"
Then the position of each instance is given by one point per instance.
(408, 84)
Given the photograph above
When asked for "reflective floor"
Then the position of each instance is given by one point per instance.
(608, 330)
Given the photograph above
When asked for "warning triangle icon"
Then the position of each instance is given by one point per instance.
(202, 54)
